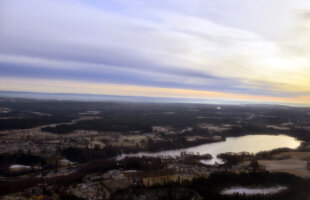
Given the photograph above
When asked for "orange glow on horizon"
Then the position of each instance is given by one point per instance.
(64, 86)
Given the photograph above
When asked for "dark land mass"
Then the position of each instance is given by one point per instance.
(67, 149)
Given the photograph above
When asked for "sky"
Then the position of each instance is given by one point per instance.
(247, 50)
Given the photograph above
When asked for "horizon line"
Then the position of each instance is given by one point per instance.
(62, 96)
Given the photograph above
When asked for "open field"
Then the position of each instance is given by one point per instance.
(293, 155)
(291, 166)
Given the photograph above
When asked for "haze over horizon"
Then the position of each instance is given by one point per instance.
(241, 50)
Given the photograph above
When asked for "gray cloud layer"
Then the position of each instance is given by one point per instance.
(139, 43)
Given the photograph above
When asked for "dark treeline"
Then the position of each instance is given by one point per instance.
(267, 155)
(232, 159)
(300, 133)
(20, 158)
(85, 154)
(121, 124)
(26, 123)
(174, 143)
(132, 163)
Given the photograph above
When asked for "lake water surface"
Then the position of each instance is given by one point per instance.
(253, 191)
(248, 143)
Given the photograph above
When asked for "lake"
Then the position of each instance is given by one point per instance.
(248, 143)
(253, 191)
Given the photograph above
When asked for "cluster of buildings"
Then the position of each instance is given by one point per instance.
(100, 186)
(40, 147)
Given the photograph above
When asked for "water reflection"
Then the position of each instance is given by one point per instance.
(253, 191)
(212, 161)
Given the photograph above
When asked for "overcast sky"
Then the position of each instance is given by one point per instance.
(230, 49)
